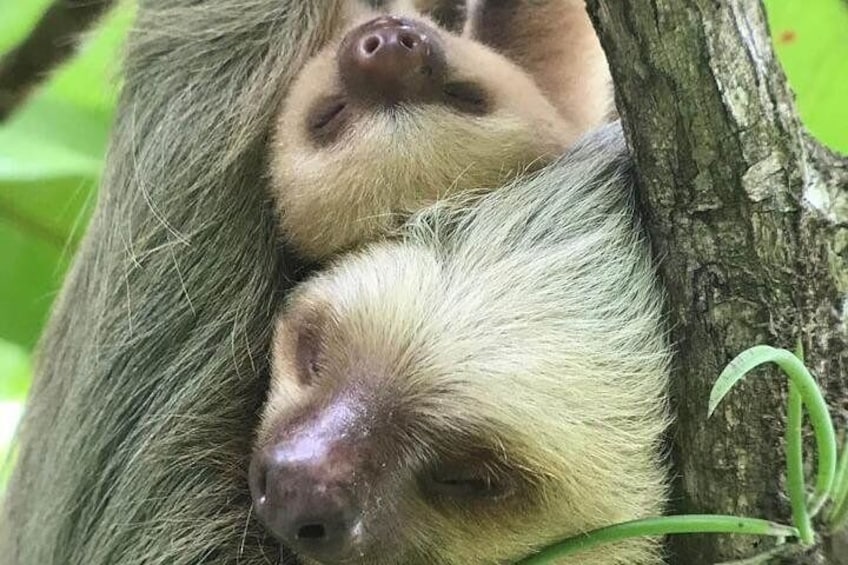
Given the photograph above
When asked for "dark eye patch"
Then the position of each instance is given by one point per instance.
(476, 476)
(326, 119)
(467, 97)
(308, 350)
(468, 483)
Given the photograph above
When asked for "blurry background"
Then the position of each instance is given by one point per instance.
(51, 152)
(52, 149)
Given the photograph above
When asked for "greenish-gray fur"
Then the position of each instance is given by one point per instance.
(136, 440)
(137, 435)
(536, 307)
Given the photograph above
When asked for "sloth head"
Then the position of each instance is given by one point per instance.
(413, 418)
(394, 115)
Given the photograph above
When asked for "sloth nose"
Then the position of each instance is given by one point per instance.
(313, 515)
(390, 60)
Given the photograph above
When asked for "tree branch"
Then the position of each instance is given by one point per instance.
(749, 218)
(51, 41)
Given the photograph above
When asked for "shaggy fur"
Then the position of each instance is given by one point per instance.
(525, 326)
(135, 443)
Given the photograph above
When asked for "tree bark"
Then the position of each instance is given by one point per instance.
(748, 217)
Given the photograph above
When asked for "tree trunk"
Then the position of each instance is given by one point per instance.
(749, 220)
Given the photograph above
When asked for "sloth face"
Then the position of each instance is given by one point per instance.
(394, 116)
(369, 455)
(411, 420)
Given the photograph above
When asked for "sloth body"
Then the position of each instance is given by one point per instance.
(490, 382)
(369, 134)
(134, 445)
(492, 378)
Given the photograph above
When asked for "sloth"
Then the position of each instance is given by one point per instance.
(396, 113)
(488, 382)
(430, 393)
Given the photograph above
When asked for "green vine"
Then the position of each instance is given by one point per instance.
(831, 484)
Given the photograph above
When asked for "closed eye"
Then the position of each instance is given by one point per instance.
(465, 487)
(467, 97)
(326, 118)
(472, 481)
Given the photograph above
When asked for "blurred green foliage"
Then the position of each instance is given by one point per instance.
(811, 40)
(51, 153)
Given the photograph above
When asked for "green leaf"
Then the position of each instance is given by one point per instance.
(811, 41)
(37, 240)
(795, 467)
(648, 527)
(15, 372)
(51, 155)
(838, 516)
(28, 157)
(809, 391)
(62, 130)
(90, 80)
(14, 381)
(10, 415)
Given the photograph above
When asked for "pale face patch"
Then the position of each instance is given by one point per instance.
(345, 172)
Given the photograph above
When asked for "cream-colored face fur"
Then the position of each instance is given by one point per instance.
(385, 162)
(442, 385)
(490, 382)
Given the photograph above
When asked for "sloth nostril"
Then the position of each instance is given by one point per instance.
(371, 44)
(391, 61)
(408, 40)
(311, 532)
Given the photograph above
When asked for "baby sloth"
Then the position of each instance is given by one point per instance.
(487, 383)
(396, 113)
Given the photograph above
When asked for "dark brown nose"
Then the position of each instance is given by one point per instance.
(390, 60)
(311, 512)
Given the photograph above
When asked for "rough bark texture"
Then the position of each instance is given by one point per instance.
(749, 218)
